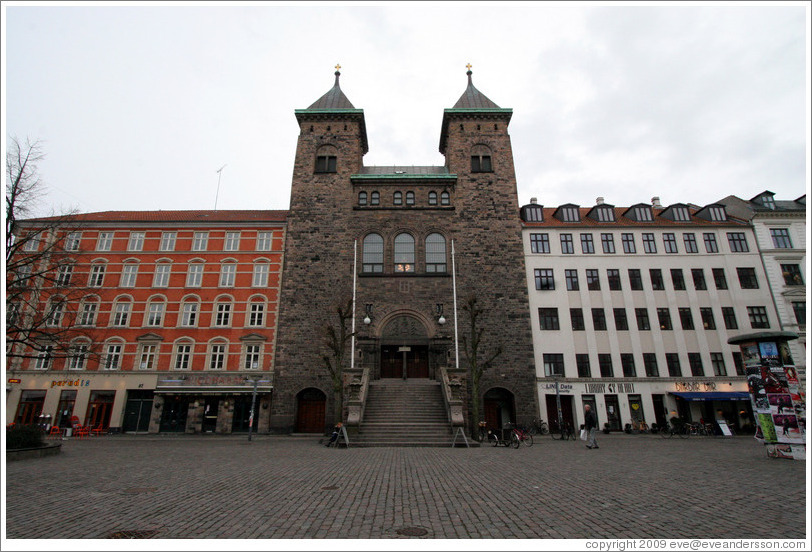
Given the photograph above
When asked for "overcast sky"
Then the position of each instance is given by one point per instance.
(139, 106)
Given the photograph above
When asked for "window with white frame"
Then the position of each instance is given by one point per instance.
(781, 238)
(44, 358)
(63, 275)
(194, 276)
(628, 243)
(717, 214)
(222, 315)
(121, 313)
(681, 214)
(217, 356)
(155, 313)
(200, 241)
(112, 356)
(737, 242)
(642, 214)
(161, 276)
(136, 242)
(256, 314)
(260, 277)
(188, 316)
(72, 241)
(96, 278)
(570, 214)
(445, 198)
(129, 273)
(87, 313)
(649, 245)
(31, 242)
(168, 240)
(264, 241)
(78, 356)
(56, 311)
(670, 242)
(228, 273)
(232, 241)
(252, 357)
(147, 356)
(183, 356)
(105, 241)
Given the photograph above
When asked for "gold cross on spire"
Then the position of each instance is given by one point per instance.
(468, 66)
(338, 67)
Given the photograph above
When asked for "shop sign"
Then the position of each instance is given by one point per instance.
(14, 380)
(203, 381)
(696, 386)
(609, 388)
(562, 387)
(70, 383)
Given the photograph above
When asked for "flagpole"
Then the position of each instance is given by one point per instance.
(454, 285)
(354, 276)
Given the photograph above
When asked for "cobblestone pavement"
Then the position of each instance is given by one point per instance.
(634, 486)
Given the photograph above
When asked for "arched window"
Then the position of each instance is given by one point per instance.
(182, 355)
(362, 198)
(397, 199)
(375, 198)
(481, 159)
(373, 254)
(122, 309)
(218, 354)
(189, 311)
(435, 253)
(409, 198)
(404, 253)
(432, 198)
(326, 159)
(445, 198)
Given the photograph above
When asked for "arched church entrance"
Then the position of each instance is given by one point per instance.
(405, 349)
(500, 408)
(311, 409)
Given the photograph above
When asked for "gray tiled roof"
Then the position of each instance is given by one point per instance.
(333, 99)
(473, 98)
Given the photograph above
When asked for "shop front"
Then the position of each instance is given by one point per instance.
(212, 404)
(96, 400)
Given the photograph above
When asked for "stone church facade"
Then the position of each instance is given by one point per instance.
(385, 235)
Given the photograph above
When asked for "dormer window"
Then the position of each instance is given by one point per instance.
(642, 214)
(768, 201)
(681, 214)
(605, 214)
(481, 159)
(532, 213)
(717, 214)
(569, 214)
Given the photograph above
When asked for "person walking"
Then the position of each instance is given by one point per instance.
(591, 426)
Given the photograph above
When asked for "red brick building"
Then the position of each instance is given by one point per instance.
(172, 315)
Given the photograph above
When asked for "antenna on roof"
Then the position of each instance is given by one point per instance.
(219, 174)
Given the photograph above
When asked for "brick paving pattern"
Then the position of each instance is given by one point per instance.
(634, 486)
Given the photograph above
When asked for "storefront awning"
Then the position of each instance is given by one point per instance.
(714, 396)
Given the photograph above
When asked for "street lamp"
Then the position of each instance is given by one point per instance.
(557, 377)
(256, 380)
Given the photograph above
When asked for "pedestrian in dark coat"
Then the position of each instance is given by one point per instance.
(591, 426)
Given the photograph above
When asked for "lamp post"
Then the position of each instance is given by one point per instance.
(558, 403)
(256, 380)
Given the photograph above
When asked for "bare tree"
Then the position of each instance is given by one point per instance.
(43, 298)
(337, 336)
(476, 358)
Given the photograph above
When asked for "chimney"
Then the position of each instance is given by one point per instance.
(655, 201)
(599, 201)
(534, 200)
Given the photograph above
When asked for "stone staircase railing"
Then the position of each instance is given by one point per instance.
(358, 389)
(452, 394)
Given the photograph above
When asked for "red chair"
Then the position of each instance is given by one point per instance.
(55, 433)
(82, 432)
(97, 431)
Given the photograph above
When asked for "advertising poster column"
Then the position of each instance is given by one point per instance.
(778, 400)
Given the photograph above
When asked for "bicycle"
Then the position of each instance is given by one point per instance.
(524, 436)
(539, 427)
(563, 434)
